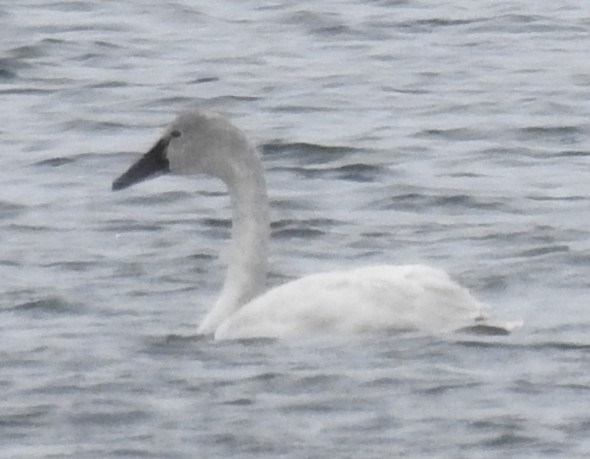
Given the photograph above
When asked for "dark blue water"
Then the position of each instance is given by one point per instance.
(393, 132)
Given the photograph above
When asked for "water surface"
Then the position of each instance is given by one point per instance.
(392, 132)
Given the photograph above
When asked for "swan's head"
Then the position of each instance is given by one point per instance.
(195, 142)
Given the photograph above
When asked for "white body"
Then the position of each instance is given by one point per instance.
(410, 297)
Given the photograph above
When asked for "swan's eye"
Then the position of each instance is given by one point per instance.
(175, 134)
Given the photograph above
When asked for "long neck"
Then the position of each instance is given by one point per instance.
(246, 273)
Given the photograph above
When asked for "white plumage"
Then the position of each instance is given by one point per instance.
(412, 297)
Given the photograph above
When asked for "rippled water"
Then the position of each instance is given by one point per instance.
(393, 131)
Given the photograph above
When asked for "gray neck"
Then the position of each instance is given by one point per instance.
(246, 273)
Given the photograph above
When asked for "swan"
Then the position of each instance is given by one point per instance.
(410, 297)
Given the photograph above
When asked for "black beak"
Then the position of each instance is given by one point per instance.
(152, 164)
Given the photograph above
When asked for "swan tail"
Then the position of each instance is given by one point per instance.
(491, 327)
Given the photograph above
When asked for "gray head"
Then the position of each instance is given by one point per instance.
(195, 142)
